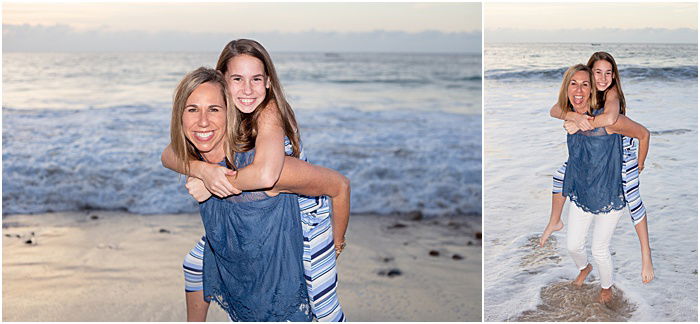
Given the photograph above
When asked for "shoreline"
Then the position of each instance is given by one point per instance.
(117, 266)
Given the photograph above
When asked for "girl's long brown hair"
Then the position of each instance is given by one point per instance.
(597, 56)
(246, 125)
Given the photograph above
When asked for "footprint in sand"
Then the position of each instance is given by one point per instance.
(564, 302)
(536, 256)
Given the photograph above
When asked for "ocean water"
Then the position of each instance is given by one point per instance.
(85, 131)
(523, 146)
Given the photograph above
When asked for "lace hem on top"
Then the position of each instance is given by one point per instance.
(238, 312)
(605, 209)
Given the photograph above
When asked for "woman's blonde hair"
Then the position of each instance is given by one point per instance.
(616, 81)
(563, 102)
(247, 129)
(183, 148)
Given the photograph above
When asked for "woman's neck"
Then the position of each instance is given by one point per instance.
(214, 157)
(582, 109)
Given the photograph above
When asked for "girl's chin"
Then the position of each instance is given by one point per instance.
(246, 110)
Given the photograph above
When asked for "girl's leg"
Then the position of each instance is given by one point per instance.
(602, 234)
(320, 271)
(555, 223)
(576, 233)
(194, 296)
(647, 266)
(630, 180)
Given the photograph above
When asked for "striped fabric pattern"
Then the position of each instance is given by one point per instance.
(193, 266)
(630, 179)
(318, 258)
(319, 254)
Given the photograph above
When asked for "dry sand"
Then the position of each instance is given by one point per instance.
(116, 266)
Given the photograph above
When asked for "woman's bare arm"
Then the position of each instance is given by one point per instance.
(311, 180)
(628, 127)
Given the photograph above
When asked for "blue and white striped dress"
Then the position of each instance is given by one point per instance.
(318, 258)
(630, 179)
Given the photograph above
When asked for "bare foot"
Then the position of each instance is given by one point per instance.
(549, 230)
(582, 275)
(647, 271)
(605, 295)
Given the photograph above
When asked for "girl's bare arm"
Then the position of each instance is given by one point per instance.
(628, 127)
(311, 180)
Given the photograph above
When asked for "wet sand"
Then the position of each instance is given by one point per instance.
(116, 266)
(561, 301)
(564, 302)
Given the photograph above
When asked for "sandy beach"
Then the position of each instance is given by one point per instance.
(117, 266)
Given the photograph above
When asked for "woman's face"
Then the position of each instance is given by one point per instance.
(204, 119)
(603, 74)
(247, 82)
(579, 90)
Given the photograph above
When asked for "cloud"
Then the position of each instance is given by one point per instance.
(597, 35)
(62, 38)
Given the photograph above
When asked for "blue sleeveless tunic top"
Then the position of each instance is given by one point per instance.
(253, 256)
(593, 180)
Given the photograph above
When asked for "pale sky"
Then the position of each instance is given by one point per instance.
(249, 17)
(553, 16)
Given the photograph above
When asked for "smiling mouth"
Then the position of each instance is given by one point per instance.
(204, 136)
(578, 100)
(246, 101)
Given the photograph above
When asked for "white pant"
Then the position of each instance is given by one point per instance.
(577, 230)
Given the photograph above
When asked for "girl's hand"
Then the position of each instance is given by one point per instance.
(640, 166)
(583, 122)
(339, 247)
(215, 181)
(571, 127)
(197, 189)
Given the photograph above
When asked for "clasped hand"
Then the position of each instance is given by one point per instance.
(214, 182)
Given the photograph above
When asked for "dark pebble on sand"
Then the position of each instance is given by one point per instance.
(434, 253)
(453, 225)
(477, 235)
(695, 271)
(31, 241)
(388, 259)
(390, 273)
(397, 225)
(94, 217)
(8, 235)
(393, 273)
(457, 257)
(470, 243)
(163, 230)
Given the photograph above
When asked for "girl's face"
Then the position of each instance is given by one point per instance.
(204, 120)
(603, 74)
(579, 90)
(247, 82)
